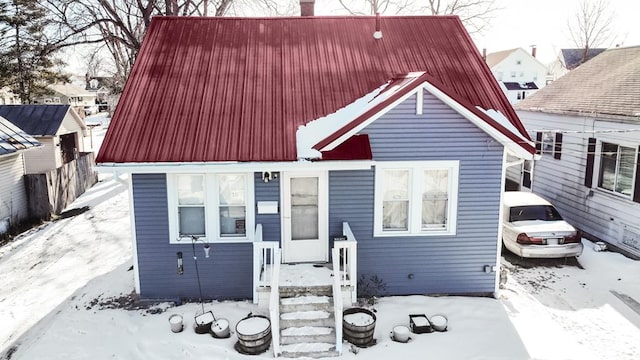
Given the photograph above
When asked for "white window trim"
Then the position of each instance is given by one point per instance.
(415, 207)
(211, 208)
(598, 163)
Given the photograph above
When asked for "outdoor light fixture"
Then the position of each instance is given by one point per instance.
(206, 250)
(180, 267)
(269, 175)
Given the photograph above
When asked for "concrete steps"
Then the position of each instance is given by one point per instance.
(307, 322)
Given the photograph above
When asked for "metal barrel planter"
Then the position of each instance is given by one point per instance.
(356, 328)
(254, 334)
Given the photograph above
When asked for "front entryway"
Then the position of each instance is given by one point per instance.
(304, 217)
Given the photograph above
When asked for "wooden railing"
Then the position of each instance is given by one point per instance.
(337, 299)
(347, 256)
(263, 258)
(274, 304)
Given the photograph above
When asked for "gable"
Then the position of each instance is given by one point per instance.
(492, 122)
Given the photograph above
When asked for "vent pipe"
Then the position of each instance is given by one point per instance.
(378, 33)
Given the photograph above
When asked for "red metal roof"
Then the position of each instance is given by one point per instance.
(236, 89)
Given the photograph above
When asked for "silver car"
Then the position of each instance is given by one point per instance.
(532, 227)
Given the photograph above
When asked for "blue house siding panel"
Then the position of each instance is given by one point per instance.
(269, 191)
(439, 264)
(226, 274)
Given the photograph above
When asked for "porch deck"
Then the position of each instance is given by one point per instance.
(306, 275)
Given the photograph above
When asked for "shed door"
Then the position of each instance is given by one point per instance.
(305, 215)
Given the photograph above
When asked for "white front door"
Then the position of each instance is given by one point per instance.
(304, 217)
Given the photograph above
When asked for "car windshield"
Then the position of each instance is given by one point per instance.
(534, 212)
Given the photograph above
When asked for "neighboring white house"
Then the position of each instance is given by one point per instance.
(587, 127)
(519, 73)
(569, 59)
(57, 127)
(8, 97)
(13, 197)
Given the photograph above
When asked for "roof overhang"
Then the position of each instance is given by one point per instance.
(226, 167)
(490, 121)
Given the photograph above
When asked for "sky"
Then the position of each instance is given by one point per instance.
(518, 23)
(522, 23)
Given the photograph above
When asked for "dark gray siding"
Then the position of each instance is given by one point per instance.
(226, 274)
(440, 264)
(268, 192)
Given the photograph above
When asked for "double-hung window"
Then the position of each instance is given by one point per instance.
(617, 168)
(213, 207)
(191, 209)
(416, 198)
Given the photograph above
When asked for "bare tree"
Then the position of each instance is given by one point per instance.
(372, 7)
(476, 15)
(591, 25)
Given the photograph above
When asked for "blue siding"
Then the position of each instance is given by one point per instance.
(268, 192)
(440, 264)
(226, 274)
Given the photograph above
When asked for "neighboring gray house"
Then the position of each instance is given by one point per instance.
(60, 169)
(57, 127)
(13, 197)
(587, 127)
(282, 141)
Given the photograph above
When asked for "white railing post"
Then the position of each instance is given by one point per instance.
(274, 303)
(349, 251)
(337, 298)
(257, 261)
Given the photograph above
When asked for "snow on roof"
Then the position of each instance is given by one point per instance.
(14, 139)
(314, 131)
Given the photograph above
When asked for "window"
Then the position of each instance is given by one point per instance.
(499, 76)
(519, 62)
(513, 74)
(215, 207)
(527, 168)
(191, 214)
(617, 168)
(232, 205)
(416, 198)
(550, 143)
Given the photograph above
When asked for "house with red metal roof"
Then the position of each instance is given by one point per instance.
(378, 143)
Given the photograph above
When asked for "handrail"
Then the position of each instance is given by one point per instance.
(274, 303)
(348, 260)
(337, 299)
(263, 257)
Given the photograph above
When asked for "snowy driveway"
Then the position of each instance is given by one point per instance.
(569, 310)
(45, 266)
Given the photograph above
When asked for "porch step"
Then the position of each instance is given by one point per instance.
(307, 322)
(312, 350)
(295, 291)
(308, 334)
(306, 318)
(306, 303)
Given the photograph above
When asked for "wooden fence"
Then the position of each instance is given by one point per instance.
(49, 193)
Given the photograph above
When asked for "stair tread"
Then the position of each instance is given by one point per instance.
(305, 315)
(309, 299)
(308, 347)
(307, 331)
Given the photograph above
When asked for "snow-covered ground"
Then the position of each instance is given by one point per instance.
(66, 294)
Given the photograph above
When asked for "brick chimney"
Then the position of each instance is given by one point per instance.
(533, 50)
(306, 7)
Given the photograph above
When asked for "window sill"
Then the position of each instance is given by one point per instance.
(418, 234)
(613, 194)
(187, 241)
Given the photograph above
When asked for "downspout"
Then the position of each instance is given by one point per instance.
(500, 214)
